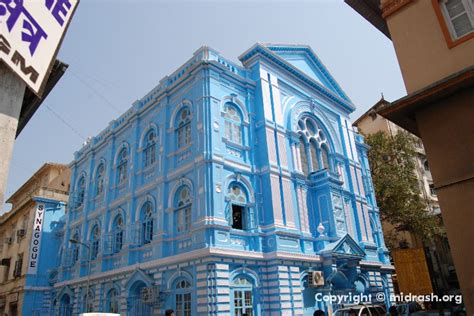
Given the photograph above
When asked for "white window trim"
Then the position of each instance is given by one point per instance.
(468, 6)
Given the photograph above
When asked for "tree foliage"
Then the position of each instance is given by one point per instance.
(392, 160)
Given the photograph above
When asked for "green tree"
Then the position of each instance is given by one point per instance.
(392, 161)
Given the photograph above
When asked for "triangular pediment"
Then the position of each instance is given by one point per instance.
(345, 247)
(305, 60)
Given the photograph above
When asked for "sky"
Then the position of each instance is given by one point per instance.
(118, 50)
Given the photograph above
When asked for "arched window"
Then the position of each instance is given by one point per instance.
(242, 296)
(183, 298)
(314, 155)
(75, 247)
(233, 124)
(122, 164)
(325, 156)
(81, 191)
(118, 228)
(183, 210)
(65, 306)
(304, 157)
(183, 130)
(147, 223)
(113, 301)
(239, 218)
(88, 303)
(95, 242)
(313, 145)
(99, 179)
(149, 149)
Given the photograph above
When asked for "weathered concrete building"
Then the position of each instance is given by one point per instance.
(28, 244)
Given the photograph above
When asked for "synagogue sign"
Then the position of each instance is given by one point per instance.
(31, 32)
(36, 239)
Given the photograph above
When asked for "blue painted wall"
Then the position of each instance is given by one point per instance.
(243, 131)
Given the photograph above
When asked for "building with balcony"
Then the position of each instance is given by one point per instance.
(434, 43)
(229, 189)
(421, 267)
(29, 241)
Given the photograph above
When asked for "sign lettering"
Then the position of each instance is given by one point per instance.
(31, 32)
(36, 240)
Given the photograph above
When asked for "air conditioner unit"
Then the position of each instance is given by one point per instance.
(21, 233)
(315, 278)
(8, 240)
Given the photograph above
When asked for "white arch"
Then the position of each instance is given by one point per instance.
(293, 112)
(178, 274)
(150, 126)
(119, 150)
(240, 105)
(177, 185)
(142, 200)
(101, 161)
(119, 211)
(243, 181)
(178, 108)
(246, 272)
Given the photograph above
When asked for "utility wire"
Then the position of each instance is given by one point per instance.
(96, 92)
(65, 122)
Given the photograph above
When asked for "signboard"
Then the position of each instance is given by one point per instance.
(36, 239)
(31, 32)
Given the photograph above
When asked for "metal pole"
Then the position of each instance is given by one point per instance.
(12, 90)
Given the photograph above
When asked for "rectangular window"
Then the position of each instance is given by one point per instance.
(18, 266)
(237, 217)
(243, 304)
(183, 304)
(459, 15)
(183, 219)
(149, 155)
(432, 189)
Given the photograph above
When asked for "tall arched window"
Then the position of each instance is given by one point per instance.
(149, 149)
(233, 124)
(325, 156)
(314, 155)
(242, 296)
(122, 164)
(183, 131)
(95, 242)
(112, 301)
(88, 302)
(183, 298)
(118, 228)
(81, 191)
(304, 156)
(183, 210)
(147, 223)
(239, 217)
(75, 247)
(99, 179)
(316, 141)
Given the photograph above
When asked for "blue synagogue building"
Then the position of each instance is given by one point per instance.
(229, 189)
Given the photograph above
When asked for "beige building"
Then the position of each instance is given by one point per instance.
(430, 265)
(51, 181)
(434, 42)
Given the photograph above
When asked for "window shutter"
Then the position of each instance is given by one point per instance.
(108, 244)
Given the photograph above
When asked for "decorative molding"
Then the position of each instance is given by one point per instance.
(392, 6)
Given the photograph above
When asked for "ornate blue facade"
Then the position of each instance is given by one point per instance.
(220, 191)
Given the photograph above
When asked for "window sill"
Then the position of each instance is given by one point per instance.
(180, 150)
(235, 145)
